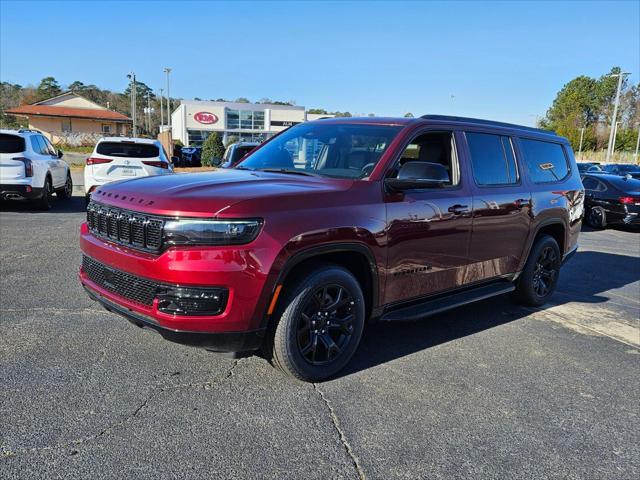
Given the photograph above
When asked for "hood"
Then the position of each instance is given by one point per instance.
(208, 194)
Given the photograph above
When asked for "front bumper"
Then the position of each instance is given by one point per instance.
(242, 271)
(216, 342)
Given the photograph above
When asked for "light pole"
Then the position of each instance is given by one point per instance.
(167, 70)
(615, 135)
(581, 138)
(612, 133)
(635, 155)
(161, 109)
(132, 86)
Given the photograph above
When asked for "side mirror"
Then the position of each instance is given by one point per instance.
(60, 153)
(414, 175)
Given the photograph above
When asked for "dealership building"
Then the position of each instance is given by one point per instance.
(194, 120)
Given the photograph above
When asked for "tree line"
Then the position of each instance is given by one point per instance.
(587, 103)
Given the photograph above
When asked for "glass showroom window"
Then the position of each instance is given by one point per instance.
(233, 119)
(258, 120)
(246, 120)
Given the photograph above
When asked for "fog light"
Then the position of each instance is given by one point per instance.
(191, 300)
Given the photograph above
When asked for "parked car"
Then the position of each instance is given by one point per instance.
(584, 167)
(331, 223)
(122, 158)
(32, 169)
(191, 157)
(236, 152)
(611, 200)
(622, 169)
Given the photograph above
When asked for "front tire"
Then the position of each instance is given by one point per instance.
(539, 278)
(320, 325)
(66, 192)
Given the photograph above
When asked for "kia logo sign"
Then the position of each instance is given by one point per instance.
(205, 117)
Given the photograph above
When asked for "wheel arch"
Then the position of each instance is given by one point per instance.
(555, 228)
(357, 258)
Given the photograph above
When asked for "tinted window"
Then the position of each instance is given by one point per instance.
(327, 149)
(625, 184)
(131, 150)
(11, 143)
(492, 159)
(432, 147)
(50, 149)
(546, 161)
(38, 145)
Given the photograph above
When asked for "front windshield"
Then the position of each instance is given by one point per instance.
(329, 149)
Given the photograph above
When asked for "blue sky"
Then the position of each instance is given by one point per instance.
(499, 60)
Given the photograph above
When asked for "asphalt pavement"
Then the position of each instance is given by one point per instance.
(491, 390)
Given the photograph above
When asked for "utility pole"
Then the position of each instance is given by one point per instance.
(161, 109)
(581, 138)
(612, 133)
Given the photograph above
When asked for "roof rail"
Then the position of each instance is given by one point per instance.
(23, 130)
(479, 121)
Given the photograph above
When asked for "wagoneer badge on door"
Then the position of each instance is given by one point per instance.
(205, 117)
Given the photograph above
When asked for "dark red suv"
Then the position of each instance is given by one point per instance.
(331, 223)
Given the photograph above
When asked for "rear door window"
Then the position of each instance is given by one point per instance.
(130, 150)
(11, 143)
(546, 161)
(492, 159)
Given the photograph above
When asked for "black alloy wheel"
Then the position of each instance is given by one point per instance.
(325, 325)
(545, 272)
(318, 323)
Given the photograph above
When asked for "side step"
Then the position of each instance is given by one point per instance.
(447, 302)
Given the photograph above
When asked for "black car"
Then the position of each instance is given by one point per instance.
(587, 167)
(191, 156)
(622, 169)
(611, 200)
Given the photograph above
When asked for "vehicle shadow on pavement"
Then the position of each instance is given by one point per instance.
(75, 204)
(581, 280)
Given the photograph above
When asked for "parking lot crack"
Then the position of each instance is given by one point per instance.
(5, 451)
(343, 438)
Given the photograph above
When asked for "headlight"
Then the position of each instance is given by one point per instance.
(211, 232)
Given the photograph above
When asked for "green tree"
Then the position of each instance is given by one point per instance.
(212, 150)
(48, 88)
(320, 111)
(242, 100)
(408, 115)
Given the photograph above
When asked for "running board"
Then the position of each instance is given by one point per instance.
(447, 302)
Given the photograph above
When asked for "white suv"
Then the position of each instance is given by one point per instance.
(121, 158)
(32, 169)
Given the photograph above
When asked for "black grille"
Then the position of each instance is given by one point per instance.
(128, 286)
(135, 230)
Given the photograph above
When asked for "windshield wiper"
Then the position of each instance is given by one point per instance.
(239, 167)
(288, 170)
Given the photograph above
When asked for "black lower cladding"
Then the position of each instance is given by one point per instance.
(216, 342)
(173, 299)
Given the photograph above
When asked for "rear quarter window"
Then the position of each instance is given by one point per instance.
(130, 150)
(546, 161)
(11, 143)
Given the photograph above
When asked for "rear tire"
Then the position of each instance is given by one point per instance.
(44, 202)
(320, 324)
(597, 218)
(66, 192)
(539, 278)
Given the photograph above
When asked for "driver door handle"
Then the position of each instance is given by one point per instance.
(458, 209)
